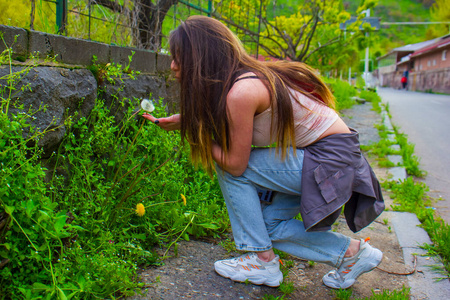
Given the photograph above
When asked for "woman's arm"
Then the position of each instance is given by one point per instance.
(168, 124)
(246, 99)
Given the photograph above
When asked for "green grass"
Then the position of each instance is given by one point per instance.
(343, 92)
(347, 294)
(72, 230)
(412, 196)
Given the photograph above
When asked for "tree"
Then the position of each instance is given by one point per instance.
(440, 12)
(145, 16)
(310, 34)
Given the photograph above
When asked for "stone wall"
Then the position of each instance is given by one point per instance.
(78, 52)
(68, 88)
(437, 81)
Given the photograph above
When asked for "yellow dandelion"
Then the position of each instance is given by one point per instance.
(140, 209)
(184, 199)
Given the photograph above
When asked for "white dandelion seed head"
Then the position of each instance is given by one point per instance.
(147, 105)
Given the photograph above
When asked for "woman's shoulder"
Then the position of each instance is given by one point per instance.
(249, 87)
(247, 84)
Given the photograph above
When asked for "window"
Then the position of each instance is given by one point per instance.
(429, 63)
(444, 55)
(434, 62)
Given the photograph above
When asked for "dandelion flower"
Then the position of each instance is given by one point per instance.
(140, 209)
(184, 199)
(147, 105)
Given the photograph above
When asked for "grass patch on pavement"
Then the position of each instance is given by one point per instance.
(411, 195)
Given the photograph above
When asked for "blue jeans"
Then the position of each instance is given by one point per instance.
(258, 226)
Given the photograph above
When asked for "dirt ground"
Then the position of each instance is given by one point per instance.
(191, 275)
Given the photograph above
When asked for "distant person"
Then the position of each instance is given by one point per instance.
(231, 102)
(404, 82)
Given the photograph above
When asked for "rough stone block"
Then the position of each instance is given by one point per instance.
(396, 159)
(63, 92)
(163, 62)
(397, 173)
(359, 100)
(68, 50)
(143, 60)
(395, 148)
(392, 137)
(126, 91)
(19, 45)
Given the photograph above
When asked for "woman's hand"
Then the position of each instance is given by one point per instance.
(170, 123)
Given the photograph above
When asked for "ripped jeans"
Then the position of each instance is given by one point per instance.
(258, 226)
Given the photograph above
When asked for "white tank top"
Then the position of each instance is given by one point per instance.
(311, 120)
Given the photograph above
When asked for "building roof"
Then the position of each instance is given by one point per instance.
(411, 48)
(438, 43)
(415, 47)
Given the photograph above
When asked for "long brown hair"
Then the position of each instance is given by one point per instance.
(211, 57)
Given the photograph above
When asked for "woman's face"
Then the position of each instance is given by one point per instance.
(176, 69)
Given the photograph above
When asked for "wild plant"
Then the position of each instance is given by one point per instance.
(114, 192)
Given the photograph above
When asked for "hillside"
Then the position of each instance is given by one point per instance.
(391, 36)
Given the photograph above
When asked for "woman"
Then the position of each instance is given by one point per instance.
(229, 102)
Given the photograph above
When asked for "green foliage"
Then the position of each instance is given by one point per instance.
(410, 195)
(343, 92)
(272, 297)
(373, 98)
(72, 230)
(389, 37)
(343, 294)
(439, 232)
(410, 161)
(440, 12)
(402, 294)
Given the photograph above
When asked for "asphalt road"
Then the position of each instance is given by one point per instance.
(425, 118)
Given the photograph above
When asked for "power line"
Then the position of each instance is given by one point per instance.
(412, 23)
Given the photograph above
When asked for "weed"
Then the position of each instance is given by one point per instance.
(373, 97)
(342, 294)
(402, 294)
(77, 235)
(287, 287)
(343, 92)
(410, 161)
(439, 232)
(311, 263)
(272, 297)
(228, 245)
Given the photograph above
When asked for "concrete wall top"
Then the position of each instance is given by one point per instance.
(79, 52)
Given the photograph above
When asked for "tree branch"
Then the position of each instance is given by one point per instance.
(333, 41)
(114, 6)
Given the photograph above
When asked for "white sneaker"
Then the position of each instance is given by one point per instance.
(345, 276)
(250, 267)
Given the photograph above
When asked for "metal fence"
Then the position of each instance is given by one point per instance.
(119, 22)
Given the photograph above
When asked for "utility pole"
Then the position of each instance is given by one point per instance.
(366, 62)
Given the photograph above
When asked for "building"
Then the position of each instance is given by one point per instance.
(426, 64)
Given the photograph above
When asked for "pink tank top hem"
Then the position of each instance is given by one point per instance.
(311, 120)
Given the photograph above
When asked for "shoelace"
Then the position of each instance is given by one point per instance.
(348, 268)
(243, 257)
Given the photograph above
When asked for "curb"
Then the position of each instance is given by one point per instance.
(410, 236)
(424, 282)
(398, 173)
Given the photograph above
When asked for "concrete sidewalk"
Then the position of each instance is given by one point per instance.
(190, 274)
(410, 236)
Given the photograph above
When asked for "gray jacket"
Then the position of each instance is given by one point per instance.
(335, 173)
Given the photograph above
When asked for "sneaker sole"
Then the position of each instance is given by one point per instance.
(258, 280)
(348, 283)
